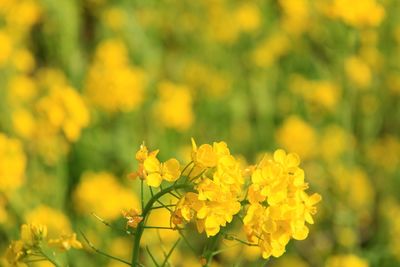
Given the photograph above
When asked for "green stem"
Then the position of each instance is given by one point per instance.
(147, 209)
(101, 252)
(50, 259)
(212, 244)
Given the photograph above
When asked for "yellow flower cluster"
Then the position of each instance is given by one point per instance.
(358, 13)
(112, 83)
(358, 71)
(47, 112)
(226, 23)
(295, 134)
(55, 220)
(153, 171)
(271, 49)
(17, 18)
(296, 18)
(346, 260)
(218, 186)
(102, 194)
(207, 79)
(34, 240)
(279, 206)
(174, 107)
(65, 111)
(12, 163)
(321, 93)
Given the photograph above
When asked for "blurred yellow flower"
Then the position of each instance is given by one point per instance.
(321, 93)
(358, 13)
(174, 106)
(112, 83)
(6, 47)
(64, 109)
(298, 136)
(23, 61)
(346, 260)
(296, 15)
(12, 163)
(358, 72)
(22, 89)
(114, 18)
(248, 17)
(102, 194)
(268, 51)
(56, 221)
(334, 142)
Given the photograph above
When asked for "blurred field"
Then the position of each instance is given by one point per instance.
(84, 83)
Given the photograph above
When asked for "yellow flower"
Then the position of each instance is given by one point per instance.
(358, 13)
(12, 163)
(33, 234)
(297, 135)
(348, 260)
(133, 217)
(174, 107)
(102, 194)
(248, 17)
(112, 83)
(271, 49)
(55, 220)
(296, 17)
(6, 47)
(218, 186)
(15, 253)
(358, 72)
(66, 242)
(279, 206)
(204, 155)
(156, 171)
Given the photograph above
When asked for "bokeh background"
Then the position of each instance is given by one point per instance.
(84, 82)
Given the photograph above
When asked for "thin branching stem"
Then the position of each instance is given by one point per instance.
(145, 212)
(111, 226)
(103, 253)
(170, 253)
(152, 257)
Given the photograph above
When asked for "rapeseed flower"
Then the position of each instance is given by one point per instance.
(102, 194)
(12, 163)
(279, 206)
(218, 186)
(112, 83)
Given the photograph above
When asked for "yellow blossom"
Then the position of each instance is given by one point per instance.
(66, 242)
(297, 135)
(102, 194)
(12, 163)
(218, 188)
(279, 206)
(6, 47)
(133, 217)
(358, 13)
(112, 83)
(348, 260)
(358, 72)
(156, 171)
(248, 17)
(174, 107)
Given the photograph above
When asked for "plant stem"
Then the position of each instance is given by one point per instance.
(212, 244)
(50, 259)
(147, 209)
